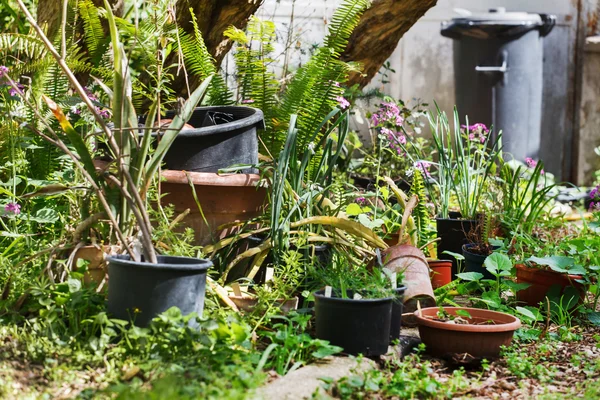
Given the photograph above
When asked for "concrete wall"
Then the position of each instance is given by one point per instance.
(424, 70)
(589, 133)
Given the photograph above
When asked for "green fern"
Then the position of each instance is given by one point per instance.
(257, 83)
(420, 212)
(200, 62)
(96, 40)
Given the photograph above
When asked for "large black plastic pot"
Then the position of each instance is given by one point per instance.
(397, 307)
(474, 262)
(141, 290)
(453, 233)
(222, 136)
(358, 326)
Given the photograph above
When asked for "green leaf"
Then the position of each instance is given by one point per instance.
(45, 216)
(463, 313)
(527, 313)
(470, 276)
(498, 264)
(594, 318)
(353, 209)
(325, 351)
(515, 287)
(560, 264)
(491, 299)
(459, 257)
(74, 285)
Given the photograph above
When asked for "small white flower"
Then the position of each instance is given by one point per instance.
(311, 147)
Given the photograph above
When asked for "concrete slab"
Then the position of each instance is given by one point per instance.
(303, 382)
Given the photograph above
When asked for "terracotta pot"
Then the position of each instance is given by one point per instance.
(441, 272)
(224, 199)
(96, 269)
(411, 262)
(541, 280)
(248, 303)
(444, 340)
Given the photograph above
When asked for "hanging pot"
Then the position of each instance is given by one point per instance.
(224, 199)
(141, 290)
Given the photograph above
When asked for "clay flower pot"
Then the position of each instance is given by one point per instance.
(541, 280)
(96, 268)
(411, 262)
(481, 338)
(441, 272)
(224, 199)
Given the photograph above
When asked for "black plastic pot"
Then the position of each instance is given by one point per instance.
(397, 307)
(359, 326)
(141, 290)
(474, 262)
(453, 235)
(222, 136)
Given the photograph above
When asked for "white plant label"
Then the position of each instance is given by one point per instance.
(236, 289)
(394, 282)
(357, 296)
(269, 274)
(327, 291)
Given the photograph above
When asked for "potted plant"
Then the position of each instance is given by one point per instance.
(544, 273)
(479, 248)
(160, 282)
(356, 301)
(447, 331)
(467, 156)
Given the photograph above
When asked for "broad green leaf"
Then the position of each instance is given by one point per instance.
(353, 209)
(491, 299)
(326, 351)
(470, 276)
(459, 257)
(74, 285)
(463, 313)
(498, 264)
(527, 313)
(560, 264)
(45, 216)
(515, 287)
(594, 318)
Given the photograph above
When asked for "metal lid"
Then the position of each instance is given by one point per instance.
(497, 16)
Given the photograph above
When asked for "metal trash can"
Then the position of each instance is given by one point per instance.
(498, 72)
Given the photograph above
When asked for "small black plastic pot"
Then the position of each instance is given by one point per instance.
(474, 262)
(141, 290)
(453, 233)
(222, 136)
(358, 326)
(397, 308)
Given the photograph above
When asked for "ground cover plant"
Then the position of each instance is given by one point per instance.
(78, 168)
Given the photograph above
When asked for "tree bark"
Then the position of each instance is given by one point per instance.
(49, 13)
(379, 32)
(213, 17)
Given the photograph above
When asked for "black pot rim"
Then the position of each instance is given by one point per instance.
(256, 118)
(320, 294)
(172, 263)
(467, 246)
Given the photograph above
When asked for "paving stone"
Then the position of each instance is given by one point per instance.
(303, 382)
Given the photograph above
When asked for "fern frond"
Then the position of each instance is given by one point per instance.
(95, 39)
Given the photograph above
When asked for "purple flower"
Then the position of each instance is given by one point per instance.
(12, 208)
(247, 101)
(476, 127)
(343, 103)
(423, 166)
(531, 163)
(103, 113)
(89, 93)
(15, 91)
(3, 70)
(361, 201)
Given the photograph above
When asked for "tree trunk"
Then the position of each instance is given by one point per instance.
(214, 17)
(49, 13)
(379, 32)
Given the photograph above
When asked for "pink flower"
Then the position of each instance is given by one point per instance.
(247, 101)
(3, 70)
(423, 166)
(12, 208)
(531, 163)
(361, 201)
(401, 138)
(343, 103)
(15, 91)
